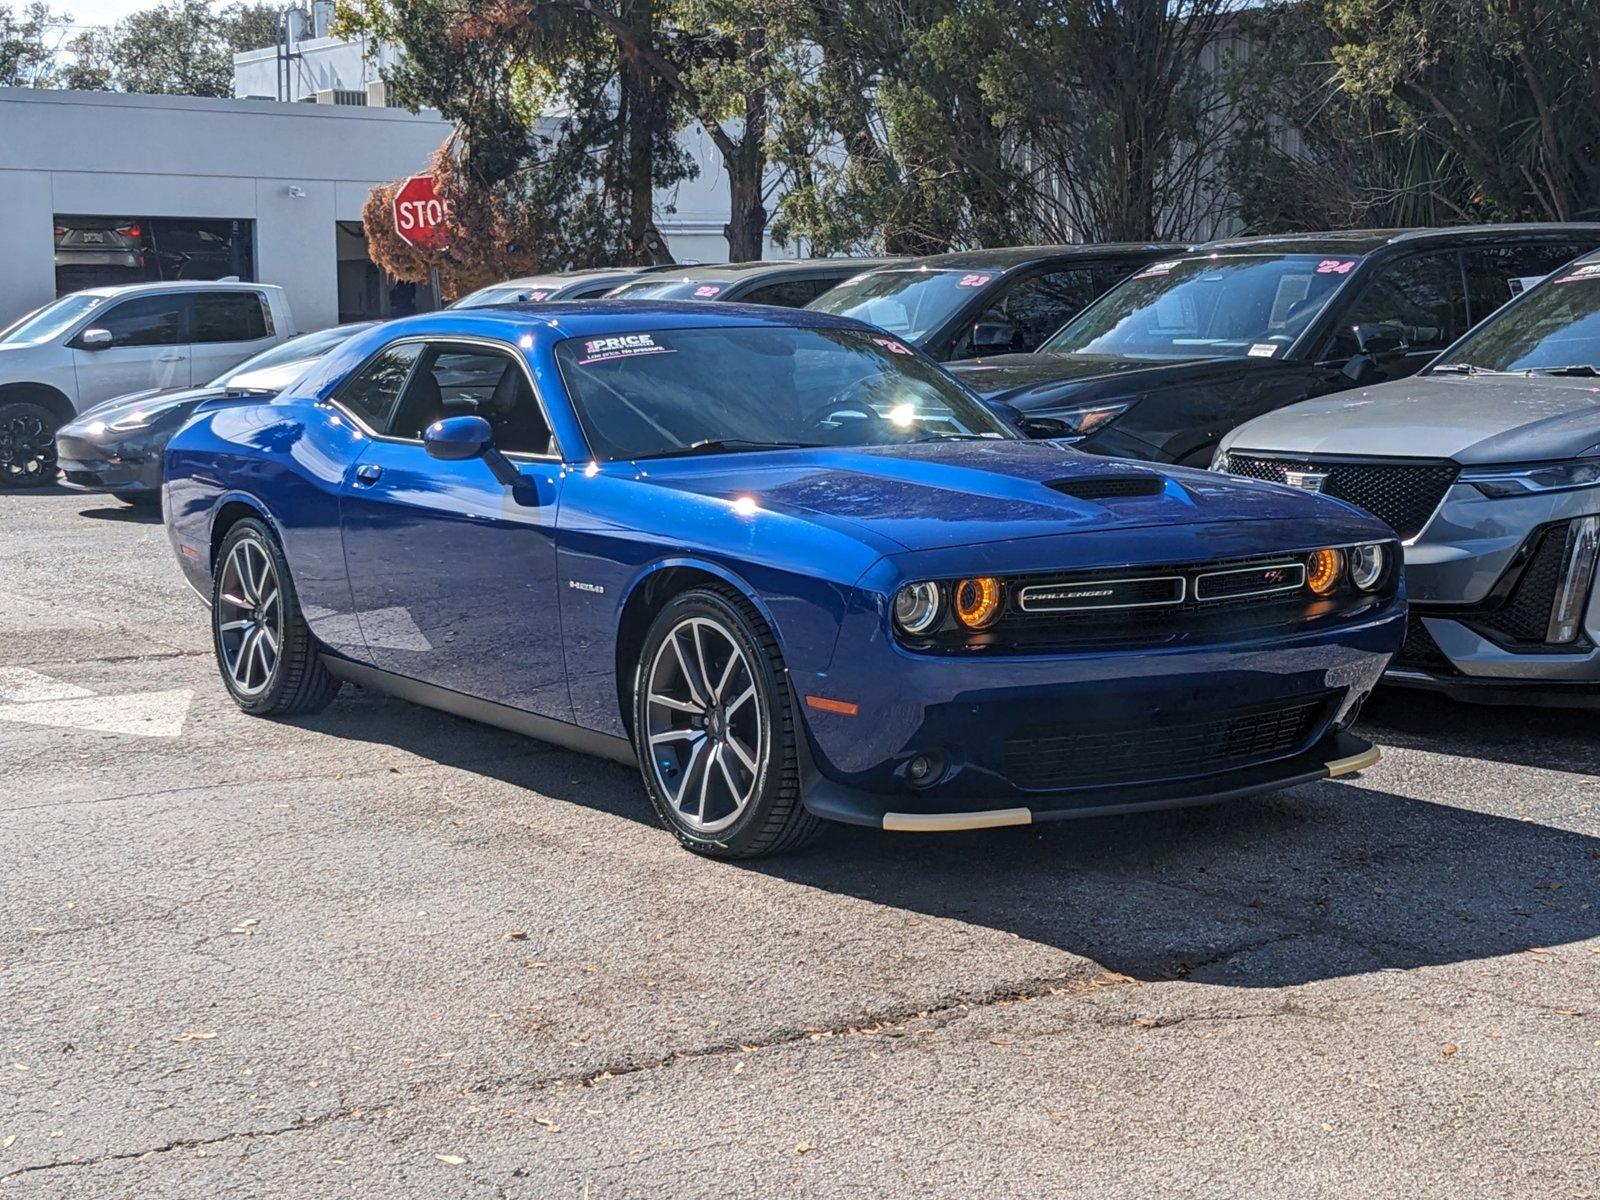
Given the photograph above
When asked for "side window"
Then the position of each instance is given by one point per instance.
(228, 317)
(1497, 273)
(457, 381)
(143, 321)
(371, 392)
(1041, 304)
(1421, 300)
(791, 293)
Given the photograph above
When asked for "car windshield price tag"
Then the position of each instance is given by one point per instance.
(628, 345)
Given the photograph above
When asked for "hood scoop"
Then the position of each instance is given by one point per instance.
(1109, 487)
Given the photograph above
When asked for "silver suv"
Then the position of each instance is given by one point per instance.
(1487, 464)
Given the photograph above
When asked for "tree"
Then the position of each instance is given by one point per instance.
(1509, 90)
(29, 39)
(183, 47)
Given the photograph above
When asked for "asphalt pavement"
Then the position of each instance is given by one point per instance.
(385, 953)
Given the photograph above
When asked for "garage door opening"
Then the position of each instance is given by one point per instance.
(100, 251)
(367, 293)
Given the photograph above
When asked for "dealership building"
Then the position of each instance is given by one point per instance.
(101, 187)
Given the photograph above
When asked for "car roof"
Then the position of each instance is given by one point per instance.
(774, 267)
(1005, 258)
(561, 319)
(178, 285)
(1364, 241)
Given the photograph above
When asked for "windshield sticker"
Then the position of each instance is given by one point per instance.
(973, 280)
(1336, 266)
(706, 291)
(1263, 350)
(1156, 268)
(892, 346)
(628, 345)
(1581, 272)
(537, 295)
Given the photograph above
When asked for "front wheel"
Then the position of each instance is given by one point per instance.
(27, 444)
(714, 729)
(269, 663)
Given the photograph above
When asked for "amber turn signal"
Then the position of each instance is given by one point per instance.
(1323, 568)
(977, 602)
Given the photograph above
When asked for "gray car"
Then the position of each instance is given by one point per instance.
(1487, 464)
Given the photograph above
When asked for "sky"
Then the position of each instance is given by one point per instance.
(100, 12)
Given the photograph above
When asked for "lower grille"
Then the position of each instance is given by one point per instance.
(1420, 652)
(1402, 495)
(1050, 757)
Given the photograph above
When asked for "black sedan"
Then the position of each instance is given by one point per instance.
(116, 447)
(1192, 345)
(1001, 301)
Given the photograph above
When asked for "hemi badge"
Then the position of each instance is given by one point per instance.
(843, 707)
(586, 587)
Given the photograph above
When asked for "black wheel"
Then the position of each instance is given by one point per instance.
(27, 444)
(714, 729)
(268, 661)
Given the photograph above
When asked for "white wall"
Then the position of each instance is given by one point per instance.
(169, 156)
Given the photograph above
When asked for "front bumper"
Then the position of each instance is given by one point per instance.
(1010, 739)
(1481, 575)
(90, 466)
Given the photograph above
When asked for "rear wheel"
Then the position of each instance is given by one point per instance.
(27, 444)
(714, 729)
(269, 663)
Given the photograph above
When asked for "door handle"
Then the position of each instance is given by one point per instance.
(368, 473)
(170, 358)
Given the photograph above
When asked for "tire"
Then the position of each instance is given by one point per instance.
(253, 596)
(27, 444)
(694, 732)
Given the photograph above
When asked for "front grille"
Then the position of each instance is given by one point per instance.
(1420, 652)
(1525, 616)
(1402, 495)
(1052, 757)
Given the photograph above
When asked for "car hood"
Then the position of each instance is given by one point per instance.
(1469, 418)
(938, 495)
(1037, 382)
(158, 400)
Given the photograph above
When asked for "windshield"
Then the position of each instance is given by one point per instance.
(53, 319)
(1215, 306)
(670, 289)
(909, 303)
(295, 350)
(674, 391)
(502, 293)
(1557, 325)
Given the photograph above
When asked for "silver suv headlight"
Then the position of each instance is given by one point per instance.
(1540, 477)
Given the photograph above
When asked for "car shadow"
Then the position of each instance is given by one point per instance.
(1556, 739)
(1320, 882)
(132, 514)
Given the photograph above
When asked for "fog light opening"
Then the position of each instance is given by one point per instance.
(925, 770)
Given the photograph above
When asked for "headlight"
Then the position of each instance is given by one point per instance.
(916, 607)
(1367, 564)
(1081, 422)
(1522, 481)
(977, 602)
(1219, 461)
(1323, 569)
(137, 419)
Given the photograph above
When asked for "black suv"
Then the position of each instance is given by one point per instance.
(1191, 345)
(1003, 301)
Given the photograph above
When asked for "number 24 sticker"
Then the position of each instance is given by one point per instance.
(1335, 266)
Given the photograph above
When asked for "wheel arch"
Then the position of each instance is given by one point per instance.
(230, 512)
(649, 594)
(40, 393)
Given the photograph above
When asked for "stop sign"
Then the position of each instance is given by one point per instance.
(420, 214)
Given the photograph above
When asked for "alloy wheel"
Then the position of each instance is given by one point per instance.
(706, 727)
(249, 617)
(27, 447)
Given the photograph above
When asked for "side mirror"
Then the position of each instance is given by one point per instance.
(457, 439)
(1376, 340)
(1361, 369)
(95, 339)
(993, 335)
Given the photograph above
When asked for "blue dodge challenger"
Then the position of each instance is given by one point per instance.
(782, 562)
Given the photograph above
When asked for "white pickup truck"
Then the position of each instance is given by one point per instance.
(103, 342)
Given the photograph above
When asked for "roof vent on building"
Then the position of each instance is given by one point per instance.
(342, 96)
(377, 94)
